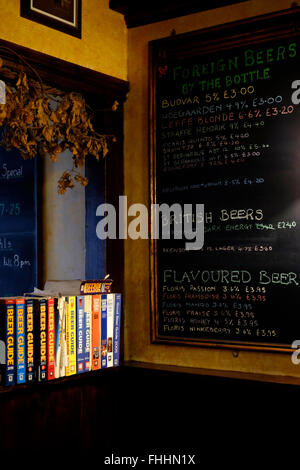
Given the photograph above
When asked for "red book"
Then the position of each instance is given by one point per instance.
(51, 340)
(96, 331)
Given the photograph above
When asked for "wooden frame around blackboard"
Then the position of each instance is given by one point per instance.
(283, 24)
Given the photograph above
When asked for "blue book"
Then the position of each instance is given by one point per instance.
(103, 331)
(117, 330)
(20, 341)
(81, 335)
(7, 342)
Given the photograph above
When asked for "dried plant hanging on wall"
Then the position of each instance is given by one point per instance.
(38, 123)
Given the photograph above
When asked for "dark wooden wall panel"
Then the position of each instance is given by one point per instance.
(69, 412)
(132, 411)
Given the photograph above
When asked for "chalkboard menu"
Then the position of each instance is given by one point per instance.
(18, 223)
(225, 133)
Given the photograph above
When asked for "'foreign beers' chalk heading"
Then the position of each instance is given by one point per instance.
(204, 74)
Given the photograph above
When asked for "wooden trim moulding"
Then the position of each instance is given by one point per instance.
(152, 11)
(65, 75)
(224, 374)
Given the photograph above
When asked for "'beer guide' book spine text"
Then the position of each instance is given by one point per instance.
(42, 340)
(51, 339)
(7, 338)
(20, 341)
(31, 331)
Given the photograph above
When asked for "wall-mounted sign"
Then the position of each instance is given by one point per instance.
(18, 224)
(225, 132)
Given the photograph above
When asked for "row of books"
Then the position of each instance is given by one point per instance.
(50, 337)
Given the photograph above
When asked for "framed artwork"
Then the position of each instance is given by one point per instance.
(64, 15)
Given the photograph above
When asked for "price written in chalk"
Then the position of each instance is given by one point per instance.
(229, 94)
(10, 209)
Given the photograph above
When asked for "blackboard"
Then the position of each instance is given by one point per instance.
(95, 256)
(18, 223)
(225, 132)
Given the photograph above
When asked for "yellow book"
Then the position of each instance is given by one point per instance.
(71, 335)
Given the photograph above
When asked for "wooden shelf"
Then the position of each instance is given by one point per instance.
(76, 379)
(225, 374)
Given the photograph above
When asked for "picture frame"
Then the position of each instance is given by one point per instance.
(63, 15)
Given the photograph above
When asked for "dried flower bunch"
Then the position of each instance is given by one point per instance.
(38, 123)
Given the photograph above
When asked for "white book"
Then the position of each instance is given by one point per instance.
(61, 359)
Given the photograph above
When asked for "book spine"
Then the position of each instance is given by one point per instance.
(103, 331)
(42, 341)
(51, 339)
(110, 328)
(71, 335)
(117, 324)
(67, 334)
(8, 342)
(88, 332)
(20, 341)
(2, 343)
(96, 331)
(81, 335)
(60, 338)
(30, 340)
